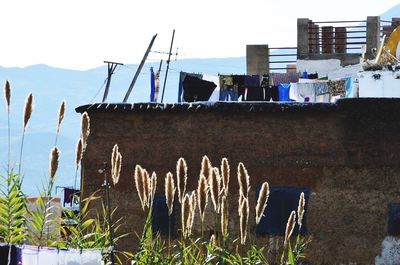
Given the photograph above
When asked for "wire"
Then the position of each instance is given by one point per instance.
(98, 91)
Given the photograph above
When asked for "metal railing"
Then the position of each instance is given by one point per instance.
(287, 55)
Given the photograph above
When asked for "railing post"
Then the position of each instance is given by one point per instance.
(257, 59)
(373, 35)
(340, 40)
(303, 41)
(327, 39)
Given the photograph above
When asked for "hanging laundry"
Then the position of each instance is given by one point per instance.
(349, 87)
(305, 92)
(271, 93)
(152, 85)
(10, 255)
(195, 89)
(283, 78)
(182, 77)
(69, 195)
(227, 92)
(157, 85)
(321, 88)
(283, 90)
(337, 88)
(255, 94)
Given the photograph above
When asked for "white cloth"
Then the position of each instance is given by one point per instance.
(33, 256)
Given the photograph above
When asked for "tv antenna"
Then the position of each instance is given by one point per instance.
(111, 66)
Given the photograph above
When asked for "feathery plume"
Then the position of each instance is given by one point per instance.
(300, 210)
(262, 201)
(153, 187)
(215, 185)
(289, 227)
(181, 177)
(225, 174)
(79, 152)
(192, 212)
(185, 214)
(54, 157)
(146, 187)
(224, 216)
(244, 220)
(28, 109)
(243, 179)
(169, 192)
(206, 168)
(85, 128)
(139, 184)
(7, 94)
(240, 201)
(202, 195)
(213, 240)
(116, 161)
(61, 113)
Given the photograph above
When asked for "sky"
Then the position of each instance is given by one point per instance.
(81, 34)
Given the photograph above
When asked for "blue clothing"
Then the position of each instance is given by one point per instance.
(283, 90)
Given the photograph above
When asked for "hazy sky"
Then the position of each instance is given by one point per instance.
(80, 34)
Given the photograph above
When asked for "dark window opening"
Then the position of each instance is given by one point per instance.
(393, 228)
(281, 202)
(160, 217)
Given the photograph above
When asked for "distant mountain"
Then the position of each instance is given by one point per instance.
(51, 85)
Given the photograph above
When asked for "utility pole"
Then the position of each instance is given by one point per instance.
(166, 73)
(111, 68)
(139, 69)
(158, 82)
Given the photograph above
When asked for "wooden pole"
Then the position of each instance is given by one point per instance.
(139, 69)
(166, 72)
(111, 68)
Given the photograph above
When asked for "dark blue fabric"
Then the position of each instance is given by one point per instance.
(152, 85)
(393, 228)
(160, 216)
(15, 255)
(282, 201)
(251, 81)
(283, 90)
(228, 95)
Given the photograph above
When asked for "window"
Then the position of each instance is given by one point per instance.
(393, 228)
(281, 202)
(160, 216)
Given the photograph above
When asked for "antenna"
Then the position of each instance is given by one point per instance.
(166, 73)
(111, 68)
(139, 69)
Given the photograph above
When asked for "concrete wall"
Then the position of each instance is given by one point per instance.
(346, 153)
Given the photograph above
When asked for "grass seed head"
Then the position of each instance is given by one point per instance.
(262, 201)
(169, 192)
(181, 177)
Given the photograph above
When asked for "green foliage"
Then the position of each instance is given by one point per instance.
(12, 210)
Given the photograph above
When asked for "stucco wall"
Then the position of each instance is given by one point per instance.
(346, 153)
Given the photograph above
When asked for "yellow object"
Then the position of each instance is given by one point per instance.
(393, 41)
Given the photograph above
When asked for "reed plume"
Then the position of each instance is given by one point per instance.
(146, 187)
(206, 168)
(116, 161)
(215, 185)
(202, 196)
(185, 214)
(153, 187)
(190, 221)
(7, 94)
(169, 192)
(262, 201)
(78, 157)
(85, 129)
(61, 113)
(139, 184)
(28, 109)
(54, 157)
(244, 220)
(243, 179)
(300, 210)
(181, 177)
(224, 216)
(289, 227)
(225, 174)
(213, 240)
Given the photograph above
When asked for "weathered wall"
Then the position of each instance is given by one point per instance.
(346, 153)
